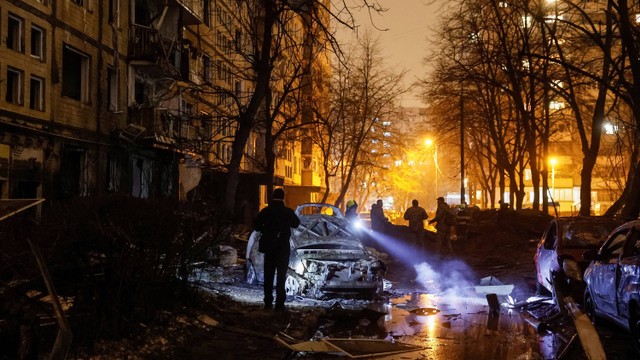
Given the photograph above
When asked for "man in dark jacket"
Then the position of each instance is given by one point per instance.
(378, 220)
(416, 216)
(445, 219)
(275, 222)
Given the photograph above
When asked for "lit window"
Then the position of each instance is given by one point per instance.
(112, 79)
(527, 21)
(75, 74)
(553, 17)
(15, 33)
(637, 18)
(557, 84)
(386, 134)
(37, 42)
(527, 174)
(610, 128)
(526, 64)
(556, 105)
(503, 4)
(398, 162)
(386, 123)
(14, 86)
(36, 93)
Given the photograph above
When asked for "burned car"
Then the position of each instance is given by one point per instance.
(613, 280)
(560, 250)
(326, 257)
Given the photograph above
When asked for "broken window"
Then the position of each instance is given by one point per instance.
(36, 93)
(15, 33)
(112, 88)
(75, 74)
(37, 42)
(114, 9)
(114, 174)
(75, 174)
(206, 69)
(141, 177)
(14, 86)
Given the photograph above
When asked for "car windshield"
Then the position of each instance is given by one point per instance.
(585, 235)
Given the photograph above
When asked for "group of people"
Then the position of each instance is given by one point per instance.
(276, 221)
(445, 219)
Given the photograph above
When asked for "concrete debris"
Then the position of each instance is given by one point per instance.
(206, 319)
(353, 348)
(226, 256)
(491, 285)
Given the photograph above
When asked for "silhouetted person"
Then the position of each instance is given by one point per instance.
(351, 213)
(378, 220)
(416, 216)
(275, 222)
(444, 219)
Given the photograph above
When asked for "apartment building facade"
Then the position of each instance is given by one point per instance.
(111, 97)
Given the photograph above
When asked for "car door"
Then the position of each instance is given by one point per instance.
(628, 277)
(547, 260)
(605, 273)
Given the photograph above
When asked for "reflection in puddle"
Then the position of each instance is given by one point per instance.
(450, 327)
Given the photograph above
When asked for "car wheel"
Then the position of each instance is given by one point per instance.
(634, 324)
(252, 277)
(292, 286)
(590, 307)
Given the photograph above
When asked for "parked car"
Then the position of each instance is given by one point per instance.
(561, 249)
(613, 280)
(326, 256)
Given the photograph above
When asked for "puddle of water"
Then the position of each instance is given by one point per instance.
(460, 327)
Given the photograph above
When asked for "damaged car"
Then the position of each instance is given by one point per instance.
(613, 280)
(327, 257)
(560, 251)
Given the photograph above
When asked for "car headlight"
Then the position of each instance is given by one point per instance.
(572, 269)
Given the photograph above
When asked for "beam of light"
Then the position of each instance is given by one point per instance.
(399, 249)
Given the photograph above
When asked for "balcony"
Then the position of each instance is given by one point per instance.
(148, 47)
(163, 127)
(192, 11)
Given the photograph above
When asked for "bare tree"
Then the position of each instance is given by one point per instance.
(363, 93)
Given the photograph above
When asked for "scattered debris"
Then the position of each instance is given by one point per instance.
(586, 332)
(353, 348)
(491, 285)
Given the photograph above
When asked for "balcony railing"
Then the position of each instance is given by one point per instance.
(168, 128)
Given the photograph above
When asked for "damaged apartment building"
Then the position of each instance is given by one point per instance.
(105, 96)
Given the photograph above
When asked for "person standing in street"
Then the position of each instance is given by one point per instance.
(275, 222)
(351, 213)
(416, 216)
(444, 219)
(378, 220)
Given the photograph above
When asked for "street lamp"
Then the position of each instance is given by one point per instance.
(429, 143)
